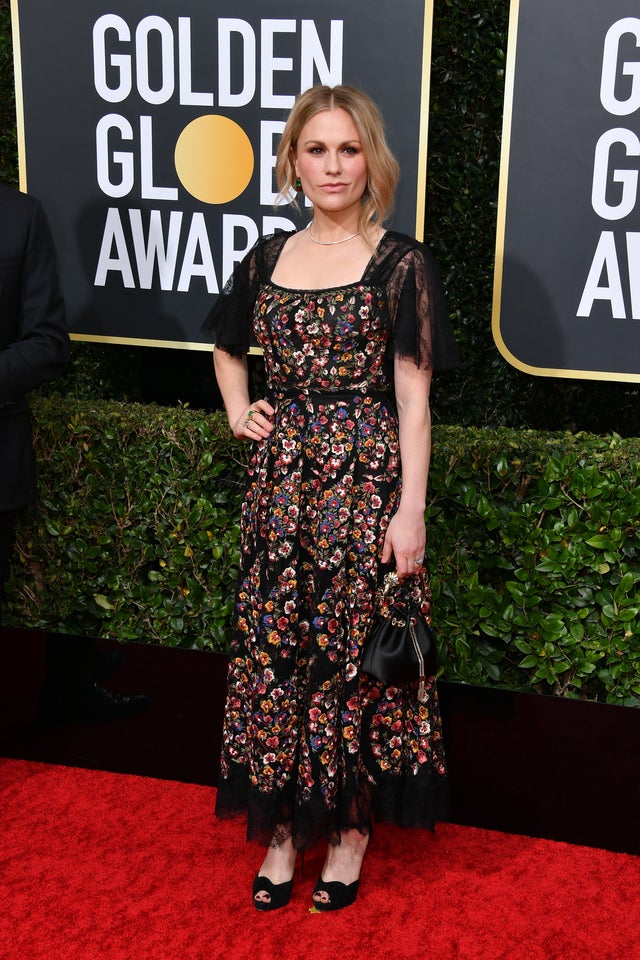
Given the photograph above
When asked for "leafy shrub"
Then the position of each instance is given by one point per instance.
(532, 543)
(534, 539)
(135, 535)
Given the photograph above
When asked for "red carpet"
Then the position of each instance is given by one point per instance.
(99, 865)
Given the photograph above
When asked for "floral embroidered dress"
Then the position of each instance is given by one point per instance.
(309, 741)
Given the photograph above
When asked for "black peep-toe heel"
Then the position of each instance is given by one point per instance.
(279, 893)
(340, 894)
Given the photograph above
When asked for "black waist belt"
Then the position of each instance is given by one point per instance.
(338, 395)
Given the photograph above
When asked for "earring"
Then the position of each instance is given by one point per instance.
(298, 184)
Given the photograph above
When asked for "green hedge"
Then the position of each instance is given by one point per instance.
(135, 535)
(532, 543)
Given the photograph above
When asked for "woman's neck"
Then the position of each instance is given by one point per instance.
(327, 229)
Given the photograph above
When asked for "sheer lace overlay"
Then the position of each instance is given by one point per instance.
(401, 267)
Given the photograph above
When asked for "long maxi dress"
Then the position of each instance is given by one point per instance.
(310, 745)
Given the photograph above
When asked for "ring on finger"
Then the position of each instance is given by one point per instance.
(250, 413)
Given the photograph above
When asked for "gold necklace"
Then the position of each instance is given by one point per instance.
(329, 243)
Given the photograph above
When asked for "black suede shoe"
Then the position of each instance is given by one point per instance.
(340, 894)
(279, 893)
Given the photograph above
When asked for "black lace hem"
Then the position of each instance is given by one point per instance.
(413, 801)
(406, 801)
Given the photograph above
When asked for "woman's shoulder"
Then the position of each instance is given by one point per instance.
(267, 249)
(402, 243)
(275, 240)
(398, 251)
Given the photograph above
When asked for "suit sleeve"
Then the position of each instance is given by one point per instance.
(41, 349)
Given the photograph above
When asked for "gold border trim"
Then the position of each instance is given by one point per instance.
(507, 116)
(17, 73)
(140, 342)
(423, 126)
(510, 70)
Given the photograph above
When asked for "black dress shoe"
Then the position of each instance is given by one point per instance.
(89, 703)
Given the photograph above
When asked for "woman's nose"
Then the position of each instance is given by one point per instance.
(332, 161)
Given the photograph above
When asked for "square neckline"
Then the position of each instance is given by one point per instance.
(316, 290)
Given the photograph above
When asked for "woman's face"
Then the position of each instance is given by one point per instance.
(330, 162)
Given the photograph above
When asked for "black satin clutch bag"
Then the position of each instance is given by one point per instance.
(400, 647)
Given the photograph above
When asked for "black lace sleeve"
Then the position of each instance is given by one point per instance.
(420, 327)
(230, 320)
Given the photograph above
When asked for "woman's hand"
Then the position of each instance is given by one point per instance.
(405, 541)
(255, 421)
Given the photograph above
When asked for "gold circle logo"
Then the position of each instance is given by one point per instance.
(214, 159)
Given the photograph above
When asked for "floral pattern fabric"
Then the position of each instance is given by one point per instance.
(308, 740)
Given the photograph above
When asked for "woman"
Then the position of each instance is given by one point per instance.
(350, 320)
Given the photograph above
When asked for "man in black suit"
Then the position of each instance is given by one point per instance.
(34, 347)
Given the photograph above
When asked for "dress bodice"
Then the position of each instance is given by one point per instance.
(402, 281)
(326, 340)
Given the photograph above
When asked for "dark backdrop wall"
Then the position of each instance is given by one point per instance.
(467, 88)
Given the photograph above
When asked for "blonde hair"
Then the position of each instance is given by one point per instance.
(382, 166)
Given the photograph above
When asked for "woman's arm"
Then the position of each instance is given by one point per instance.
(248, 421)
(406, 534)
